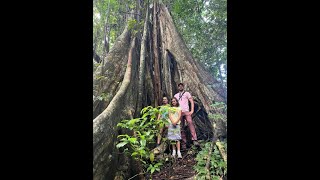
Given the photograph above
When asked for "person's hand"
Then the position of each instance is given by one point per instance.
(190, 113)
(185, 122)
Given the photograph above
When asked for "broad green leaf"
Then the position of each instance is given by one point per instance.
(147, 133)
(143, 142)
(121, 144)
(151, 157)
(134, 154)
(133, 140)
(152, 170)
(123, 135)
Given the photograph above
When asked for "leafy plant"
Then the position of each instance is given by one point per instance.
(144, 130)
(217, 168)
(155, 167)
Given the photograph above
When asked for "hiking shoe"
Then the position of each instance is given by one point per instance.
(179, 155)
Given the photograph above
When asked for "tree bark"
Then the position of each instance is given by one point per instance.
(104, 135)
(189, 71)
(142, 61)
(126, 80)
(157, 84)
(112, 74)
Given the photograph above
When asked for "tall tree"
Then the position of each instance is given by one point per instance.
(167, 61)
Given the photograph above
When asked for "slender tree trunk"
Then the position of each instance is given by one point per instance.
(96, 57)
(119, 20)
(106, 31)
(138, 10)
(106, 39)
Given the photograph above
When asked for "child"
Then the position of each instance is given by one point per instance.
(174, 133)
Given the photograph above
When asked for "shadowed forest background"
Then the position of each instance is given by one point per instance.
(141, 51)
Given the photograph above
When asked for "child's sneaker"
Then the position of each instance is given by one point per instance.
(179, 155)
(174, 153)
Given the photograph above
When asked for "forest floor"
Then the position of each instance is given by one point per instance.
(178, 168)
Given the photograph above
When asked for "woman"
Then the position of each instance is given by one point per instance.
(174, 133)
(164, 115)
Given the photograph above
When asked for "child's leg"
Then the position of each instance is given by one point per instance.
(173, 149)
(178, 149)
(178, 146)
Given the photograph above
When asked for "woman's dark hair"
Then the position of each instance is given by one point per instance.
(176, 101)
(165, 97)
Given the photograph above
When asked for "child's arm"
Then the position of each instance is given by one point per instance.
(175, 121)
(158, 116)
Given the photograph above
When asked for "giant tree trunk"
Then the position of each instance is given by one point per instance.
(167, 62)
(155, 30)
(142, 60)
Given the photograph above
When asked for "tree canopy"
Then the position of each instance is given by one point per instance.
(202, 24)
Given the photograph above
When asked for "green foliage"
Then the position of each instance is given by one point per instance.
(108, 13)
(217, 165)
(131, 23)
(144, 130)
(220, 114)
(95, 65)
(103, 96)
(217, 168)
(203, 26)
(154, 167)
(219, 105)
